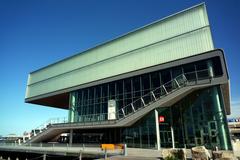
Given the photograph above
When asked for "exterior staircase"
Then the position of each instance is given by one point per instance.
(165, 95)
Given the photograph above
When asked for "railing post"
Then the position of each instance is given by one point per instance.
(184, 77)
(123, 112)
(80, 155)
(44, 156)
(105, 154)
(34, 132)
(165, 89)
(125, 150)
(133, 107)
(176, 82)
(143, 101)
(153, 95)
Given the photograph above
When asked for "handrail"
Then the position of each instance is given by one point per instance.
(143, 101)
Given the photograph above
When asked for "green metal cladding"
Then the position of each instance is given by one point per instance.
(181, 35)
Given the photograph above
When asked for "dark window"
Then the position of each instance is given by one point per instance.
(145, 84)
(104, 98)
(119, 98)
(112, 90)
(91, 100)
(189, 70)
(97, 99)
(217, 66)
(176, 71)
(202, 69)
(136, 88)
(127, 93)
(155, 80)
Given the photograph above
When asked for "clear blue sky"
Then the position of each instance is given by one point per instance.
(35, 33)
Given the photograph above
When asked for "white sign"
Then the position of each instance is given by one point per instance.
(111, 109)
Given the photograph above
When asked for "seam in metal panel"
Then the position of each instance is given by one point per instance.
(50, 83)
(127, 34)
(183, 19)
(193, 58)
(120, 55)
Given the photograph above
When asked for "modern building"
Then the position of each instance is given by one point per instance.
(160, 86)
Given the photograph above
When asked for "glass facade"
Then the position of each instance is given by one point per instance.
(94, 100)
(142, 134)
(197, 119)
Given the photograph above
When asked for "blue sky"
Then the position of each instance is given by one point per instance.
(35, 33)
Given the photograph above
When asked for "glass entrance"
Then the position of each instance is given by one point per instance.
(199, 119)
(165, 136)
(164, 117)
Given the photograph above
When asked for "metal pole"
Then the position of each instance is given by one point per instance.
(125, 150)
(172, 134)
(154, 96)
(133, 108)
(210, 69)
(105, 154)
(123, 112)
(172, 131)
(177, 83)
(157, 130)
(165, 89)
(71, 137)
(80, 155)
(44, 156)
(143, 101)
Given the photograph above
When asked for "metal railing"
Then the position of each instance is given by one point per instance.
(95, 145)
(48, 123)
(74, 149)
(152, 96)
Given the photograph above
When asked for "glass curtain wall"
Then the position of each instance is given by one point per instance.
(142, 134)
(94, 100)
(198, 119)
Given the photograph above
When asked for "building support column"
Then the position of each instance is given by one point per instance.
(172, 131)
(157, 129)
(210, 69)
(219, 113)
(172, 134)
(70, 137)
(72, 100)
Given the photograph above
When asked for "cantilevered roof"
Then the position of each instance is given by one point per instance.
(184, 34)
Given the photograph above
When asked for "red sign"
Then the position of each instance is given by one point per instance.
(161, 119)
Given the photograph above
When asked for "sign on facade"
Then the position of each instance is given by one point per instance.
(111, 109)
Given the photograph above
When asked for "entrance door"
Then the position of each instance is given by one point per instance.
(165, 127)
(165, 135)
